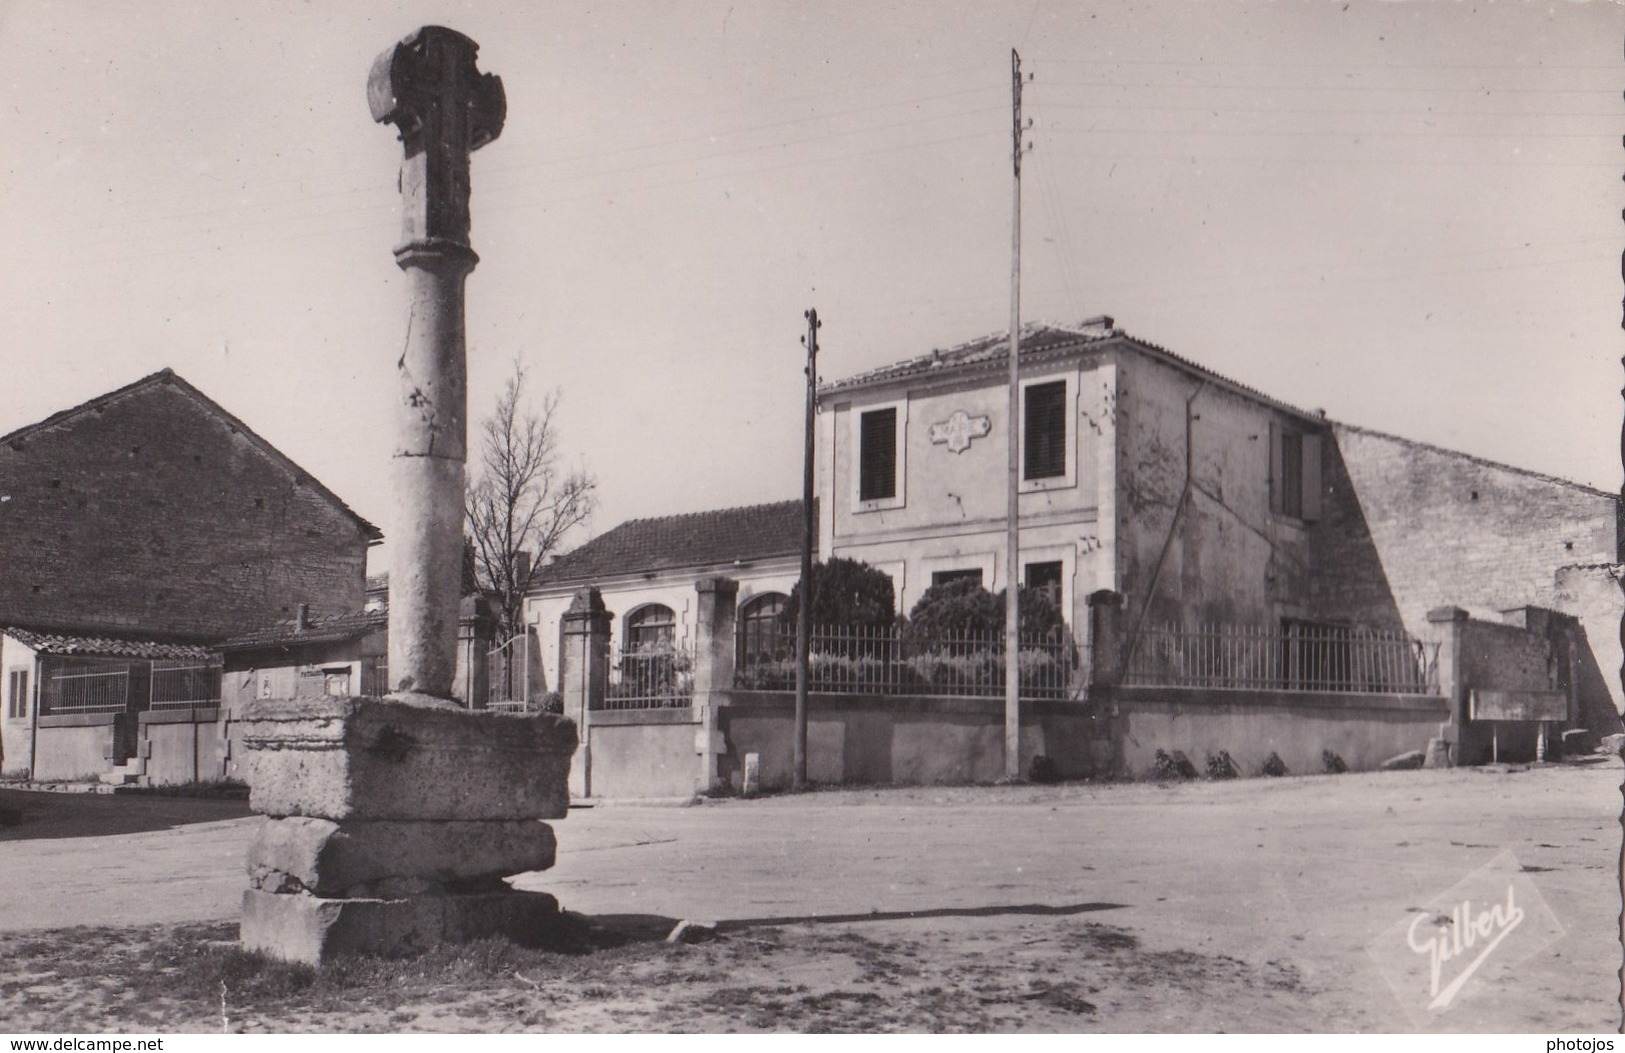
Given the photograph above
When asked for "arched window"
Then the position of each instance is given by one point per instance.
(760, 635)
(647, 628)
(651, 667)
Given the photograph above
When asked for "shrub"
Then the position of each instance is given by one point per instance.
(1220, 766)
(955, 608)
(552, 702)
(1274, 766)
(963, 608)
(1040, 617)
(1042, 770)
(1173, 766)
(1333, 763)
(845, 592)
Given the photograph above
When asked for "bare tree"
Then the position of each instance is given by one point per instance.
(520, 501)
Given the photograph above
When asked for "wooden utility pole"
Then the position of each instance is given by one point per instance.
(1012, 544)
(804, 615)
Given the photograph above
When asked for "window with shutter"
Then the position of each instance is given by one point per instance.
(1294, 473)
(17, 695)
(877, 454)
(1044, 440)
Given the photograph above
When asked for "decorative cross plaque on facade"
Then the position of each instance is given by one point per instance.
(959, 429)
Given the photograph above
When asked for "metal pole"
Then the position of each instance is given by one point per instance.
(1012, 576)
(804, 615)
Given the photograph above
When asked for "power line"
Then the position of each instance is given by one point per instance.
(1221, 108)
(1341, 133)
(499, 208)
(710, 136)
(1187, 85)
(1192, 157)
(1204, 64)
(391, 205)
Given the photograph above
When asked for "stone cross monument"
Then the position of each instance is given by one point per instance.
(390, 823)
(428, 88)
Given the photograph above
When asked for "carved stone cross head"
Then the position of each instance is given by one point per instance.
(428, 87)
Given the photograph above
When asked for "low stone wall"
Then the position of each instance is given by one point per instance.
(903, 740)
(1364, 730)
(643, 753)
(879, 740)
(73, 746)
(182, 746)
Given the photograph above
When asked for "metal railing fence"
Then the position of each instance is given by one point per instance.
(84, 687)
(183, 685)
(889, 660)
(654, 676)
(1292, 658)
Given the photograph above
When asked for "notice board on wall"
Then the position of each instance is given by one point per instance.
(1518, 705)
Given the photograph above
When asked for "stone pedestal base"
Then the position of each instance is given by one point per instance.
(390, 827)
(310, 929)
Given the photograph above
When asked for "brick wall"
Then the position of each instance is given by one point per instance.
(1409, 527)
(151, 512)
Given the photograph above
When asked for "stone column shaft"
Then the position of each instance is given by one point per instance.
(428, 474)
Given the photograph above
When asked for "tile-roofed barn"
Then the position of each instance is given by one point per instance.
(152, 511)
(288, 632)
(694, 539)
(107, 647)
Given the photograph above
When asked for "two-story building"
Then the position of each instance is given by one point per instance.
(1193, 500)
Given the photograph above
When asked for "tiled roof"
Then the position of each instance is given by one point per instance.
(1040, 342)
(378, 582)
(106, 647)
(172, 379)
(1036, 340)
(697, 539)
(333, 628)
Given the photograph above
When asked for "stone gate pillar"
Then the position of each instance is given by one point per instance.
(1448, 625)
(715, 644)
(1105, 638)
(476, 636)
(583, 675)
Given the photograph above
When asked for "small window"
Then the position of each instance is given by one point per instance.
(943, 577)
(1294, 473)
(877, 454)
(1044, 440)
(1045, 577)
(17, 694)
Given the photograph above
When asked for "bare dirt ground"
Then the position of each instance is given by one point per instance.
(1237, 906)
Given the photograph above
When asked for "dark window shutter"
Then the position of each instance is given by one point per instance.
(1292, 473)
(877, 454)
(1311, 477)
(1044, 439)
(1275, 467)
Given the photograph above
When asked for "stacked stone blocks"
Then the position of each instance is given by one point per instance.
(389, 827)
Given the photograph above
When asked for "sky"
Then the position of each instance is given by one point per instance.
(1405, 214)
